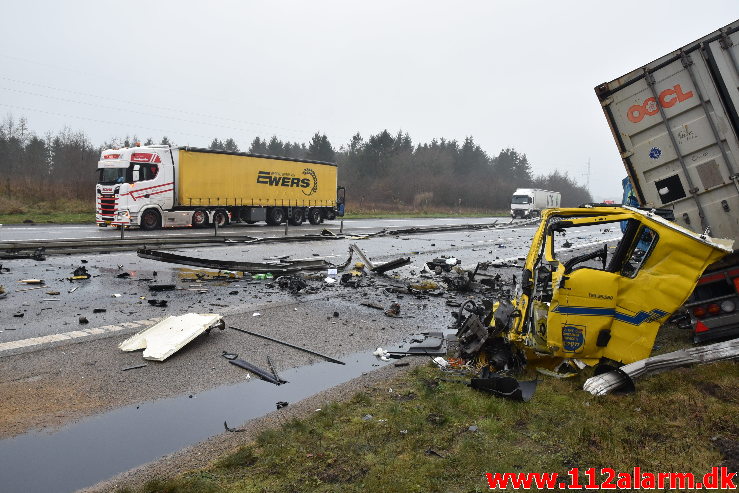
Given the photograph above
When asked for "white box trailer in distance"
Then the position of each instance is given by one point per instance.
(529, 202)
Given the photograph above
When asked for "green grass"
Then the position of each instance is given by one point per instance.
(49, 217)
(671, 423)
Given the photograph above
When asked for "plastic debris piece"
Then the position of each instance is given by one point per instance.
(168, 336)
(440, 362)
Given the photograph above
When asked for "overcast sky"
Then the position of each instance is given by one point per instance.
(511, 74)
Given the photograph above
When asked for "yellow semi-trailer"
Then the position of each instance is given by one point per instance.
(155, 186)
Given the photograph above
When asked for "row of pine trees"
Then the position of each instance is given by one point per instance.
(385, 170)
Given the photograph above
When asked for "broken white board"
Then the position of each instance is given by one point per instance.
(162, 340)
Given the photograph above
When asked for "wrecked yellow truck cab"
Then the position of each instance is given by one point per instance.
(604, 303)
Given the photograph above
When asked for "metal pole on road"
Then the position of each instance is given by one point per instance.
(341, 227)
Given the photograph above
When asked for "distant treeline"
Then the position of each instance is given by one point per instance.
(382, 171)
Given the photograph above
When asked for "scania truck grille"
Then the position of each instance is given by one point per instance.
(107, 206)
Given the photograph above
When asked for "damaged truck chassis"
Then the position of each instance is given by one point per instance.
(601, 308)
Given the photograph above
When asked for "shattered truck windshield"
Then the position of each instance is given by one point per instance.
(521, 199)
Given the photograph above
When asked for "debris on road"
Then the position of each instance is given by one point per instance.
(425, 344)
(228, 355)
(263, 374)
(157, 303)
(168, 336)
(299, 348)
(134, 367)
(39, 255)
(382, 354)
(281, 266)
(393, 310)
(622, 378)
(80, 273)
(32, 281)
(83, 320)
(162, 287)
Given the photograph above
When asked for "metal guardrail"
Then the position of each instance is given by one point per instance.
(60, 247)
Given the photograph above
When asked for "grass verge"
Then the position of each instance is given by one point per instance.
(413, 434)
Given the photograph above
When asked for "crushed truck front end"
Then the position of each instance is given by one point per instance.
(604, 304)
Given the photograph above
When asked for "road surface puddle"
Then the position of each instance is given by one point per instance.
(99, 447)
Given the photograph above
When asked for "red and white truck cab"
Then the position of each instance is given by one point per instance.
(132, 181)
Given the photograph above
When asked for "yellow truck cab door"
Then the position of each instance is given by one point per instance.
(608, 300)
(585, 291)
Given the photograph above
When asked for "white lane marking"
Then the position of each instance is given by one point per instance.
(75, 334)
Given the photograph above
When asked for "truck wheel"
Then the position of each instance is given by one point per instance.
(151, 219)
(314, 215)
(275, 216)
(220, 217)
(199, 218)
(297, 217)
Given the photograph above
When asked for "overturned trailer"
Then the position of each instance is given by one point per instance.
(599, 307)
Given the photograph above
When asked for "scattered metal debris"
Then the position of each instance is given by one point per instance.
(165, 338)
(157, 303)
(394, 310)
(80, 273)
(310, 351)
(280, 266)
(232, 430)
(274, 371)
(134, 367)
(228, 355)
(264, 375)
(32, 281)
(426, 344)
(162, 287)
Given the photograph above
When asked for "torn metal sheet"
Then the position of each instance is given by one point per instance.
(368, 264)
(622, 379)
(277, 267)
(428, 344)
(165, 338)
(393, 264)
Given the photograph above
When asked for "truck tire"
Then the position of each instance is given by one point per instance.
(199, 218)
(297, 217)
(275, 216)
(314, 215)
(220, 217)
(151, 219)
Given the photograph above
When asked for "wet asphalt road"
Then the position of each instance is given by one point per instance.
(21, 232)
(119, 300)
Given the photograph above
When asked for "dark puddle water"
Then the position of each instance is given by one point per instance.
(99, 447)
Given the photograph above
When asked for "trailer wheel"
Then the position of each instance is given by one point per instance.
(275, 216)
(297, 217)
(220, 217)
(314, 215)
(151, 219)
(199, 218)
